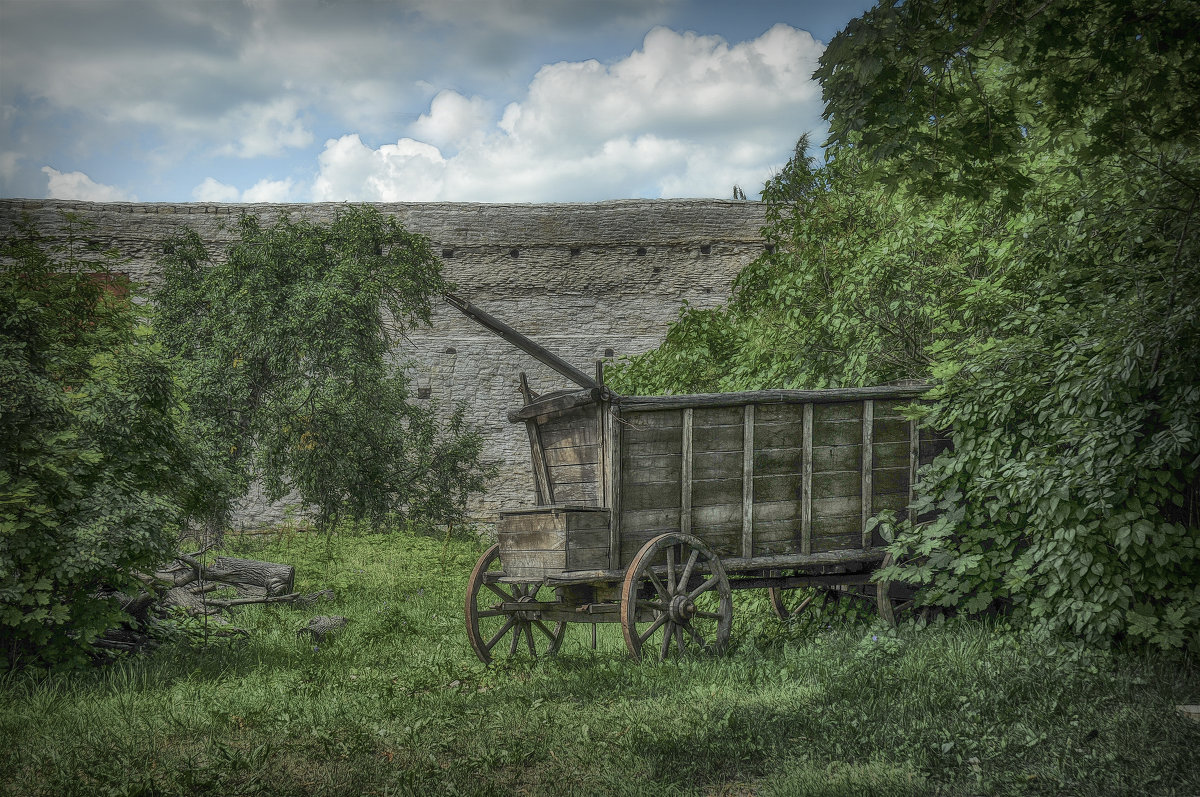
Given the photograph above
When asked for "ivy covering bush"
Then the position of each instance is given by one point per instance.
(1009, 208)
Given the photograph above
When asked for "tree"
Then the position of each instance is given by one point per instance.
(100, 463)
(288, 340)
(1009, 207)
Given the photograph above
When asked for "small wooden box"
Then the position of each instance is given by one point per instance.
(547, 540)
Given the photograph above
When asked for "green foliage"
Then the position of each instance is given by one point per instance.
(287, 339)
(99, 463)
(1009, 208)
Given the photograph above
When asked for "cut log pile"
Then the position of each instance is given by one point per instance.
(199, 589)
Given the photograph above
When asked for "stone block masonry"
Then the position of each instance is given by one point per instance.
(580, 279)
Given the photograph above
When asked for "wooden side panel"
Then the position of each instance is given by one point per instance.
(549, 541)
(649, 479)
(571, 442)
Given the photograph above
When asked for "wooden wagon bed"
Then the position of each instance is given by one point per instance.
(643, 503)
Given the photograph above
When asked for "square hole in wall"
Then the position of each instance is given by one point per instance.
(447, 253)
(706, 249)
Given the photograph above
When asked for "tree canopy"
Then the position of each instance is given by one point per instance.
(1008, 206)
(288, 341)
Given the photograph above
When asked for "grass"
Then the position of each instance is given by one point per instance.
(397, 704)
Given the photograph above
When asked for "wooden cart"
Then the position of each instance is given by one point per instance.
(651, 510)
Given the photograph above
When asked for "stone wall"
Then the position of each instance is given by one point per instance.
(578, 278)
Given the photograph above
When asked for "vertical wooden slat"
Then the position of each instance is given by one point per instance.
(806, 479)
(616, 428)
(748, 482)
(605, 432)
(868, 429)
(544, 491)
(685, 480)
(914, 461)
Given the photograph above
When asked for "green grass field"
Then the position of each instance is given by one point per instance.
(398, 704)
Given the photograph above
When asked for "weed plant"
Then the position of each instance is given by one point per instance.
(397, 704)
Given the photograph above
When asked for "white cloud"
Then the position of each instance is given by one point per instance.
(685, 115)
(77, 185)
(265, 129)
(265, 190)
(453, 120)
(212, 190)
(271, 191)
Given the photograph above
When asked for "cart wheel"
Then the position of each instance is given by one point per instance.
(895, 601)
(489, 626)
(676, 588)
(789, 603)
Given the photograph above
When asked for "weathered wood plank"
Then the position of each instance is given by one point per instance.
(765, 511)
(778, 461)
(556, 404)
(836, 483)
(570, 493)
(890, 480)
(914, 459)
(779, 435)
(806, 482)
(705, 417)
(837, 507)
(827, 458)
(582, 558)
(577, 455)
(532, 540)
(634, 521)
(662, 419)
(841, 411)
(868, 432)
(788, 487)
(660, 495)
(837, 526)
(651, 469)
(717, 438)
(634, 404)
(685, 478)
(781, 544)
(748, 444)
(554, 436)
(779, 413)
(615, 488)
(640, 447)
(576, 474)
(543, 491)
(710, 492)
(891, 455)
(837, 433)
(715, 464)
(890, 430)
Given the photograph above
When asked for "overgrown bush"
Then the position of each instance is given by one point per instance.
(99, 462)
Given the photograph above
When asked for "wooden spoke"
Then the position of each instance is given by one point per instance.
(671, 582)
(687, 571)
(714, 580)
(491, 643)
(691, 622)
(504, 596)
(657, 624)
(488, 624)
(662, 591)
(893, 600)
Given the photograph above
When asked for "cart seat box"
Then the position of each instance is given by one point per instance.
(547, 540)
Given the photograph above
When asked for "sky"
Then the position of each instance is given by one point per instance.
(406, 100)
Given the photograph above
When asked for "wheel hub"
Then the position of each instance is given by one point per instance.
(682, 609)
